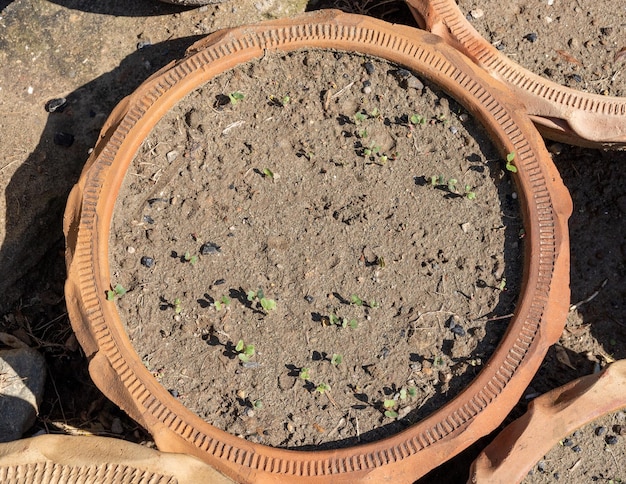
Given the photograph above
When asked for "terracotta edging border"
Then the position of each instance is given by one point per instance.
(404, 457)
(512, 454)
(73, 459)
(559, 112)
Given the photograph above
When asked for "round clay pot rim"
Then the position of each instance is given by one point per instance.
(540, 313)
(559, 112)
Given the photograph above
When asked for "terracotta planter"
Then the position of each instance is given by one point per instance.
(520, 445)
(560, 113)
(404, 457)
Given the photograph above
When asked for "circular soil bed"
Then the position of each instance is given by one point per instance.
(589, 54)
(317, 250)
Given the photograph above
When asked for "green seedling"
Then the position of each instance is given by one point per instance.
(407, 392)
(322, 388)
(235, 97)
(502, 285)
(257, 404)
(389, 406)
(343, 322)
(354, 299)
(417, 119)
(305, 374)
(469, 193)
(280, 101)
(117, 291)
(371, 150)
(245, 351)
(192, 259)
(363, 134)
(221, 303)
(358, 117)
(375, 113)
(268, 173)
(438, 180)
(357, 301)
(336, 359)
(178, 306)
(452, 185)
(265, 303)
(509, 162)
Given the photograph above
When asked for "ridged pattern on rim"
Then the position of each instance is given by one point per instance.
(403, 50)
(492, 60)
(53, 473)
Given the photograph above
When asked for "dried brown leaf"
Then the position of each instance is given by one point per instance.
(569, 58)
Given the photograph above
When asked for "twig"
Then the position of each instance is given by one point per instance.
(331, 399)
(342, 90)
(593, 295)
(54, 385)
(236, 124)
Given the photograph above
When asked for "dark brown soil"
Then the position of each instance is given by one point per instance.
(87, 52)
(316, 188)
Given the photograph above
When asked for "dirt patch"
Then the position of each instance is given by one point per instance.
(576, 44)
(337, 215)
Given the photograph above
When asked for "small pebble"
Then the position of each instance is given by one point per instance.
(209, 248)
(576, 449)
(477, 13)
(367, 90)
(402, 74)
(414, 83)
(63, 139)
(532, 37)
(143, 43)
(147, 261)
(130, 249)
(453, 130)
(173, 392)
(458, 330)
(251, 365)
(619, 429)
(369, 68)
(555, 148)
(576, 78)
(611, 439)
(309, 298)
(171, 155)
(567, 442)
(148, 219)
(550, 2)
(56, 105)
(600, 431)
(541, 466)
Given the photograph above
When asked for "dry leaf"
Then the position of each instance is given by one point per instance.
(569, 57)
(562, 357)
